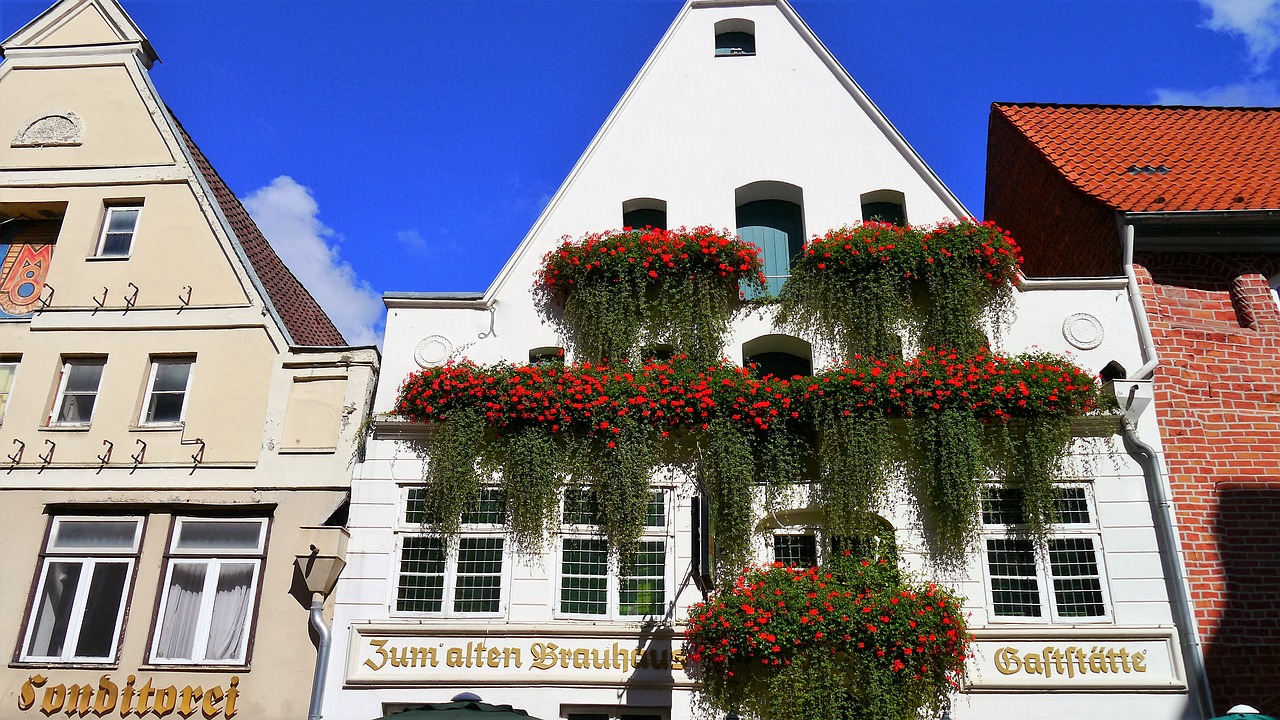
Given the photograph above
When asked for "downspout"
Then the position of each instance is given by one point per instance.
(1158, 490)
(322, 655)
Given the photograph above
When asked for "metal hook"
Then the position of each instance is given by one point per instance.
(186, 301)
(100, 303)
(46, 302)
(48, 458)
(132, 300)
(491, 332)
(141, 455)
(105, 457)
(198, 456)
(16, 457)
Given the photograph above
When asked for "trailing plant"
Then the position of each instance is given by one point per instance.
(851, 289)
(613, 292)
(531, 465)
(854, 639)
(968, 271)
(450, 474)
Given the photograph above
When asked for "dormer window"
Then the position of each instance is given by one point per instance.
(735, 37)
(888, 206)
(640, 213)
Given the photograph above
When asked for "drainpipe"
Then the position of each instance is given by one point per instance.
(322, 655)
(1159, 491)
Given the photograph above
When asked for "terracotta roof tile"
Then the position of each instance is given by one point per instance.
(305, 322)
(1153, 158)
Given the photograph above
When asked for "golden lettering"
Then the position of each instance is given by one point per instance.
(232, 694)
(565, 653)
(453, 658)
(677, 660)
(126, 696)
(53, 698)
(211, 699)
(509, 655)
(107, 692)
(1071, 662)
(27, 695)
(382, 655)
(144, 699)
(1007, 661)
(190, 695)
(1139, 662)
(494, 654)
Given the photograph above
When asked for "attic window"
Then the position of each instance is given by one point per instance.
(735, 36)
(1149, 170)
(884, 206)
(640, 213)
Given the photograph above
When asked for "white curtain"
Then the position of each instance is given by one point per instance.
(181, 611)
(230, 611)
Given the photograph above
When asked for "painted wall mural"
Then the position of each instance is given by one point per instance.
(25, 256)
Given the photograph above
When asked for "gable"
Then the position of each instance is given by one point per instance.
(78, 24)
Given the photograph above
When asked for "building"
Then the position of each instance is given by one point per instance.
(814, 153)
(179, 415)
(1183, 200)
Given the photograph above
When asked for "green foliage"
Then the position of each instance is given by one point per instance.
(452, 478)
(851, 290)
(855, 639)
(531, 465)
(949, 465)
(968, 271)
(618, 468)
(726, 469)
(856, 465)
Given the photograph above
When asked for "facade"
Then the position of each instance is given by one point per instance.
(1183, 200)
(814, 153)
(178, 415)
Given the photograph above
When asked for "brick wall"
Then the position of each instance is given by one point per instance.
(1063, 232)
(1216, 326)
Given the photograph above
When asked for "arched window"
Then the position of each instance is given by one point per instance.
(798, 538)
(548, 355)
(771, 217)
(884, 206)
(639, 213)
(735, 36)
(782, 356)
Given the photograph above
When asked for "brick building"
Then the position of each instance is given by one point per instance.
(1183, 201)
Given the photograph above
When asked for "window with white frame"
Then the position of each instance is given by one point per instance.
(210, 588)
(167, 385)
(589, 585)
(807, 547)
(605, 712)
(118, 227)
(78, 606)
(1067, 583)
(466, 579)
(8, 370)
(77, 391)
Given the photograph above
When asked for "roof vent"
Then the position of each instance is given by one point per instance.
(1149, 170)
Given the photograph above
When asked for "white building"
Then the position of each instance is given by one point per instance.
(739, 103)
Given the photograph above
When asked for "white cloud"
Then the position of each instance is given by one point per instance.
(1261, 93)
(1255, 21)
(412, 241)
(288, 215)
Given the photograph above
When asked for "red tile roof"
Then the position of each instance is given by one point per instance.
(305, 323)
(1153, 158)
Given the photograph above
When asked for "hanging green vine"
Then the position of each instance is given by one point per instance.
(949, 466)
(968, 271)
(451, 475)
(531, 465)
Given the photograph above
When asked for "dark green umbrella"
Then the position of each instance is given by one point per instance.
(1243, 712)
(463, 710)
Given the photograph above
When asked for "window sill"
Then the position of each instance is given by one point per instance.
(157, 427)
(307, 451)
(106, 258)
(66, 428)
(193, 667)
(64, 665)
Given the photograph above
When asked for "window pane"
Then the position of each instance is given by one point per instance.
(1015, 590)
(102, 609)
(84, 375)
(655, 514)
(205, 535)
(165, 407)
(1077, 583)
(644, 592)
(181, 611)
(414, 514)
(53, 613)
(1072, 506)
(7, 371)
(122, 220)
(1002, 506)
(479, 579)
(490, 509)
(580, 507)
(798, 550)
(584, 577)
(172, 375)
(231, 604)
(94, 534)
(76, 409)
(421, 586)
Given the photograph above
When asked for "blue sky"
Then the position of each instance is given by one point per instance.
(387, 146)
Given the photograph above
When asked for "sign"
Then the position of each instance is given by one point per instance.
(134, 697)
(390, 655)
(1108, 660)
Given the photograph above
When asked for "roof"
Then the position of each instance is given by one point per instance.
(1159, 158)
(305, 322)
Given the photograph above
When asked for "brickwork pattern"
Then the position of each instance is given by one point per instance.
(1216, 325)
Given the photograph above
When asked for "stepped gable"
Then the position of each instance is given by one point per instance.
(1159, 158)
(304, 320)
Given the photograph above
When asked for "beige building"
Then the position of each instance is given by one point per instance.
(176, 411)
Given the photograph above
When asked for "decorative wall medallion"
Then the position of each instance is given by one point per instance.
(432, 350)
(1083, 331)
(55, 129)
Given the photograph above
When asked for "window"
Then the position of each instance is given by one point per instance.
(736, 36)
(118, 228)
(77, 391)
(79, 601)
(884, 206)
(1066, 585)
(588, 582)
(166, 400)
(640, 213)
(797, 550)
(782, 356)
(770, 216)
(549, 355)
(470, 575)
(8, 369)
(210, 588)
(626, 712)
